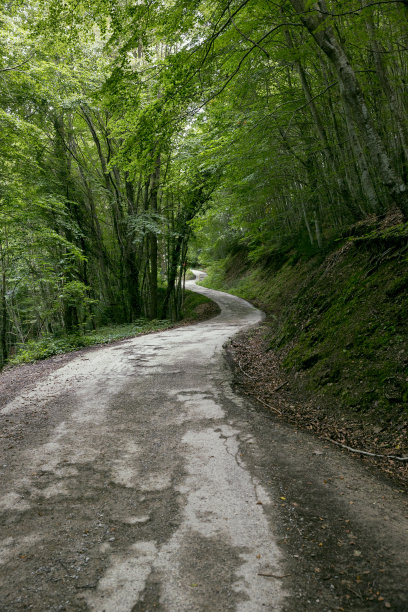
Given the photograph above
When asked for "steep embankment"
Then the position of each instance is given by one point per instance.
(332, 354)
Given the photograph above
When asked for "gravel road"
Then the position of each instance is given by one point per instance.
(134, 478)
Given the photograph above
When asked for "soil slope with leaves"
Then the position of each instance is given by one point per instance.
(332, 355)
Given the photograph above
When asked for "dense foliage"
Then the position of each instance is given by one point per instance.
(127, 126)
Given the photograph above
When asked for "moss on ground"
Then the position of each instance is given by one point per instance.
(340, 324)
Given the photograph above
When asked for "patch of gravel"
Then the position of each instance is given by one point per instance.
(13, 380)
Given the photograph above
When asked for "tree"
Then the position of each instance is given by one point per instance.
(281, 124)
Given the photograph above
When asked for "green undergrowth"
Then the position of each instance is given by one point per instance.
(190, 275)
(48, 345)
(339, 323)
(196, 307)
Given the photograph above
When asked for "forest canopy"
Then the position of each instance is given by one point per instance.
(129, 126)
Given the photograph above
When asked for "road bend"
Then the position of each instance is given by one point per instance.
(134, 478)
(128, 488)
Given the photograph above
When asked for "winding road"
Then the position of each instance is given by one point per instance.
(142, 481)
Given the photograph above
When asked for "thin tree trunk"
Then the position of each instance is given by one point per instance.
(4, 320)
(397, 113)
(353, 97)
(153, 250)
(309, 231)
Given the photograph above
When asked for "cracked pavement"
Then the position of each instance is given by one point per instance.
(140, 480)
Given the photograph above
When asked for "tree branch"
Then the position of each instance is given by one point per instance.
(360, 452)
(18, 65)
(321, 93)
(358, 10)
(247, 37)
(243, 58)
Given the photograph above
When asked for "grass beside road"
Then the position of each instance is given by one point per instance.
(197, 307)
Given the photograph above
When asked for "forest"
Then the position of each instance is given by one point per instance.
(166, 445)
(138, 137)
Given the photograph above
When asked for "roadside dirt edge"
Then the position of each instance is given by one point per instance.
(258, 374)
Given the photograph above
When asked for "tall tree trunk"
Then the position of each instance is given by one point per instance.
(353, 97)
(153, 250)
(132, 263)
(366, 182)
(397, 112)
(174, 260)
(4, 319)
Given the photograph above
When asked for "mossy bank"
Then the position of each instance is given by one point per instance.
(337, 321)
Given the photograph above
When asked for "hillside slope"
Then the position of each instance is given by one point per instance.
(332, 354)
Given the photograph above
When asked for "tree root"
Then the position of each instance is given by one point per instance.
(361, 452)
(243, 371)
(268, 406)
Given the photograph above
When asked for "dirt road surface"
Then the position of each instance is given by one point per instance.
(134, 478)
